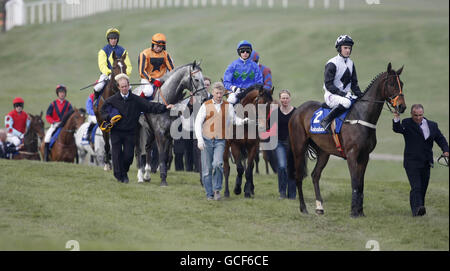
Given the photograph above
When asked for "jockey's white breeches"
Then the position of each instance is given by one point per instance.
(92, 119)
(13, 139)
(48, 134)
(147, 88)
(333, 100)
(101, 82)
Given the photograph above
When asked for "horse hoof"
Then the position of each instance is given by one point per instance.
(163, 183)
(356, 215)
(248, 195)
(147, 180)
(140, 181)
(237, 191)
(304, 211)
(319, 212)
(226, 194)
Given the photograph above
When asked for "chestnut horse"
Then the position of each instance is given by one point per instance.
(65, 149)
(110, 89)
(357, 137)
(34, 132)
(245, 147)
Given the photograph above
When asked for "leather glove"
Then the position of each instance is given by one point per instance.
(249, 121)
(235, 89)
(157, 83)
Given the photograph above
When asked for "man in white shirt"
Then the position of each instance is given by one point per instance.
(210, 129)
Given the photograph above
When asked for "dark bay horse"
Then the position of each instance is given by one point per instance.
(110, 89)
(31, 138)
(65, 149)
(189, 77)
(246, 147)
(357, 137)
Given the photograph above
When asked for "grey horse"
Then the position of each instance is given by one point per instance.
(156, 127)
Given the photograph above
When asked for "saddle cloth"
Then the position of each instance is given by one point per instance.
(321, 113)
(54, 137)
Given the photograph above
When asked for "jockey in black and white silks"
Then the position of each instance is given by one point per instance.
(340, 80)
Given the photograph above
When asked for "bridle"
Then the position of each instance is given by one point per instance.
(392, 101)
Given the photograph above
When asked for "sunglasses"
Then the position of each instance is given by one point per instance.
(248, 51)
(17, 105)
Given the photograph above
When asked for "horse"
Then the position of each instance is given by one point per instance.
(357, 138)
(245, 147)
(188, 76)
(110, 89)
(95, 150)
(31, 138)
(64, 149)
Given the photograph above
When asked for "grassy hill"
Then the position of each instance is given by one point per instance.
(295, 43)
(44, 205)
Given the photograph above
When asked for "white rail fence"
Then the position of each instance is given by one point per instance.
(51, 11)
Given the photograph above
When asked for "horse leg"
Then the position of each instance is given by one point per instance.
(226, 169)
(357, 165)
(322, 160)
(235, 150)
(249, 188)
(107, 157)
(163, 148)
(299, 147)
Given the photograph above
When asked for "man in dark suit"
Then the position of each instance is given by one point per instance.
(123, 110)
(419, 134)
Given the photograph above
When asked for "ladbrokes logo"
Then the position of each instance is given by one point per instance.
(260, 122)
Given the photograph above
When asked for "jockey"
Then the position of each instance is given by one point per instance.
(55, 113)
(340, 80)
(92, 120)
(266, 72)
(17, 122)
(241, 73)
(105, 59)
(153, 64)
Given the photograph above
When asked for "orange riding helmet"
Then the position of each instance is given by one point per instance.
(159, 39)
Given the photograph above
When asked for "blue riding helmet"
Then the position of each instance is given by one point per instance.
(244, 44)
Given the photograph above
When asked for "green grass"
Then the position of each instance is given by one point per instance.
(44, 205)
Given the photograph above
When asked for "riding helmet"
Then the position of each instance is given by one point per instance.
(243, 44)
(112, 33)
(159, 39)
(18, 100)
(61, 87)
(343, 40)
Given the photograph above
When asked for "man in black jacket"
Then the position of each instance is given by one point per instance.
(419, 134)
(124, 109)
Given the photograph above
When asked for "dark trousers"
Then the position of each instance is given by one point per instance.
(418, 180)
(189, 154)
(122, 152)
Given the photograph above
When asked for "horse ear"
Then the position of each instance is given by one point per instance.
(389, 67)
(200, 62)
(194, 64)
(114, 54)
(271, 91)
(41, 114)
(400, 70)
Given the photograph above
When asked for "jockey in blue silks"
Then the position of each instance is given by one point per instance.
(241, 73)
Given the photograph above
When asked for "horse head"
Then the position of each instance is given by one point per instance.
(118, 65)
(75, 120)
(37, 125)
(393, 89)
(197, 82)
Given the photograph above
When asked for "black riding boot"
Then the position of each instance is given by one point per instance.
(46, 151)
(96, 95)
(325, 123)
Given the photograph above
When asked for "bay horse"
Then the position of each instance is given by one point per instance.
(65, 149)
(357, 137)
(188, 76)
(247, 147)
(109, 90)
(31, 138)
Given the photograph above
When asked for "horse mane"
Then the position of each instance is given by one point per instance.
(373, 81)
(167, 74)
(248, 98)
(66, 118)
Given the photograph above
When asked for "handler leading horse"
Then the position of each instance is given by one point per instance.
(110, 89)
(357, 137)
